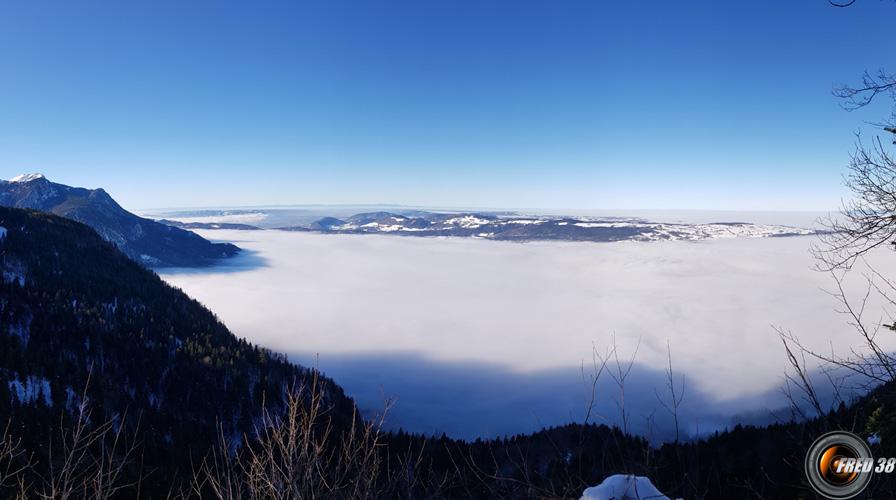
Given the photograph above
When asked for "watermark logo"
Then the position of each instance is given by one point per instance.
(839, 465)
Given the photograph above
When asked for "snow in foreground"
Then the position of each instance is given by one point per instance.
(624, 487)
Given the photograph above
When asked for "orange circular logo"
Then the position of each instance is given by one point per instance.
(838, 465)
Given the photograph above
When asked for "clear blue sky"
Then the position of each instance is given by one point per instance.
(572, 104)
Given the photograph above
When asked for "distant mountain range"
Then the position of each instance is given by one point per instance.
(146, 241)
(520, 228)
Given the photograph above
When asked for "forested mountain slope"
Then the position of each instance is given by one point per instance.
(76, 314)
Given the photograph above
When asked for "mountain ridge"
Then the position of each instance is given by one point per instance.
(539, 228)
(146, 241)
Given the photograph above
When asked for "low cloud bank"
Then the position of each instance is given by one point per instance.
(488, 338)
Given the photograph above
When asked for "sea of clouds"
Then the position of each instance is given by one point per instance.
(484, 338)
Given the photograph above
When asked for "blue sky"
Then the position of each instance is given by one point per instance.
(573, 104)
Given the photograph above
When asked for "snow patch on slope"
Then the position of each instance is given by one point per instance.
(467, 221)
(27, 177)
(28, 390)
(149, 260)
(13, 271)
(22, 329)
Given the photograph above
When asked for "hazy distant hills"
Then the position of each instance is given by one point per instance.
(144, 240)
(209, 225)
(520, 228)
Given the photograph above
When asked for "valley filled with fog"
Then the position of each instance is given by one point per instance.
(483, 338)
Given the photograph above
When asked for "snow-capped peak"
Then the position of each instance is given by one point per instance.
(27, 177)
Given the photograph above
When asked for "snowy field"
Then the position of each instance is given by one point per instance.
(483, 338)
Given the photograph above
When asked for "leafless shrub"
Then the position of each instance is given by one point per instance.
(865, 222)
(868, 220)
(590, 381)
(798, 386)
(15, 464)
(873, 85)
(90, 461)
(676, 393)
(619, 372)
(299, 454)
(867, 363)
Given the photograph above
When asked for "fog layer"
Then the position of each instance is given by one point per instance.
(484, 338)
